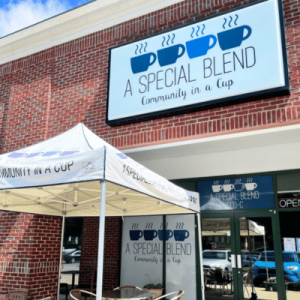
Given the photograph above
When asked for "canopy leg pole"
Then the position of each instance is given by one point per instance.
(61, 249)
(101, 241)
(200, 254)
(266, 259)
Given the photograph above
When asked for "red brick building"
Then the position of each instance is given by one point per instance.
(54, 75)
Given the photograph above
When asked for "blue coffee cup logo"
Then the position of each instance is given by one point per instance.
(168, 56)
(181, 235)
(135, 235)
(149, 235)
(233, 38)
(200, 46)
(141, 63)
(169, 234)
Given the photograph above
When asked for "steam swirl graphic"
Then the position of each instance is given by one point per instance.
(231, 19)
(141, 48)
(168, 40)
(236, 20)
(193, 30)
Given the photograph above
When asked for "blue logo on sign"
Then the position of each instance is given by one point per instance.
(181, 235)
(142, 62)
(236, 193)
(233, 37)
(44, 154)
(200, 46)
(168, 56)
(121, 155)
(197, 47)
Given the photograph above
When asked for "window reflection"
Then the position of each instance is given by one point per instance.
(290, 232)
(217, 266)
(258, 258)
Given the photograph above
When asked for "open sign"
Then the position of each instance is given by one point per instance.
(289, 202)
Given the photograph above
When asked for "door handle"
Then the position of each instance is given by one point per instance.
(239, 261)
(233, 261)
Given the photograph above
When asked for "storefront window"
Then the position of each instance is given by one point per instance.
(217, 264)
(258, 258)
(288, 187)
(290, 236)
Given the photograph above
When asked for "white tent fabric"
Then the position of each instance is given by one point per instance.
(222, 227)
(63, 174)
(78, 174)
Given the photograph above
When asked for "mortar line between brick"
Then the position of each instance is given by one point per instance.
(49, 96)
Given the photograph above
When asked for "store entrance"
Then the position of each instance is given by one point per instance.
(239, 258)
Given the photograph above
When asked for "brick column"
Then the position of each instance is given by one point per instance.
(29, 253)
(89, 251)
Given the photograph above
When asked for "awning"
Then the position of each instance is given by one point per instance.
(64, 174)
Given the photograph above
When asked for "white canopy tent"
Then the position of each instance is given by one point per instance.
(222, 227)
(78, 174)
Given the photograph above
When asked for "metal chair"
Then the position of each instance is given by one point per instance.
(248, 282)
(127, 287)
(78, 294)
(177, 297)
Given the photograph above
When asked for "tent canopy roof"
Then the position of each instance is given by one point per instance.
(63, 175)
(220, 226)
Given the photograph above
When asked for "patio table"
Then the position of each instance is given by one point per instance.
(73, 273)
(125, 294)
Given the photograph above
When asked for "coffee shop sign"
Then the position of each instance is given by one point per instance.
(239, 53)
(236, 193)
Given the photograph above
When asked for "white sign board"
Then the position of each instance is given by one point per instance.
(142, 253)
(289, 244)
(234, 55)
(181, 255)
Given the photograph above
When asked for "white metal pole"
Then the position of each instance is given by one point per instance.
(266, 259)
(61, 248)
(101, 241)
(200, 254)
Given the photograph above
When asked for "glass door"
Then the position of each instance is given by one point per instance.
(258, 256)
(240, 256)
(219, 260)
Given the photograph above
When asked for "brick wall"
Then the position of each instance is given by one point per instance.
(89, 251)
(47, 93)
(29, 253)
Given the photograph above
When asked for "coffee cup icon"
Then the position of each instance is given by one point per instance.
(135, 235)
(169, 234)
(239, 187)
(233, 37)
(149, 235)
(200, 46)
(181, 235)
(250, 186)
(141, 63)
(217, 188)
(168, 56)
(228, 187)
